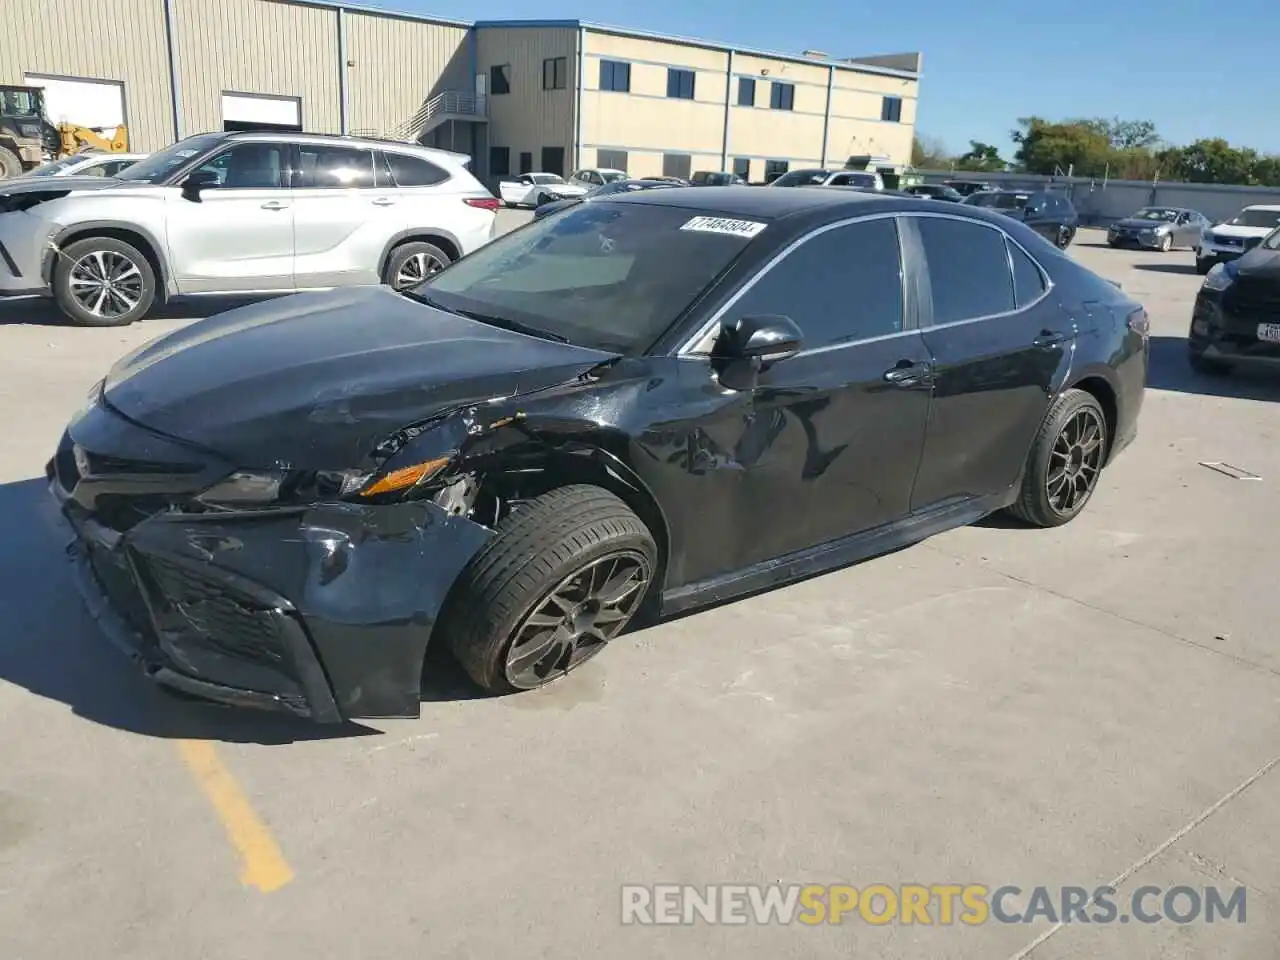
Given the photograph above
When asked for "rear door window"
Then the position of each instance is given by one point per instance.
(968, 269)
(334, 168)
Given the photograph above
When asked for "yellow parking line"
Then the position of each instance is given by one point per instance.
(262, 864)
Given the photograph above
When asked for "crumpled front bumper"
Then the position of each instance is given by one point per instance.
(26, 256)
(324, 612)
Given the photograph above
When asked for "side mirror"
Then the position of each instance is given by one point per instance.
(750, 345)
(196, 182)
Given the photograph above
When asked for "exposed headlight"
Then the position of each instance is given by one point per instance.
(1219, 277)
(250, 488)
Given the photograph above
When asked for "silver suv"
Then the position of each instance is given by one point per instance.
(240, 213)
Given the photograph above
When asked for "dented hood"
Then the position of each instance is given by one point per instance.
(315, 381)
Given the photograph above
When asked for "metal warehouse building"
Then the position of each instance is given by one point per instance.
(518, 96)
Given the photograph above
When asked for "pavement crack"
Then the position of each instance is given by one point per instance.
(1186, 828)
(1168, 634)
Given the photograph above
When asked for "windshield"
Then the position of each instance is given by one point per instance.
(1256, 217)
(798, 178)
(1156, 213)
(609, 176)
(54, 167)
(612, 276)
(159, 166)
(1000, 201)
(20, 104)
(545, 178)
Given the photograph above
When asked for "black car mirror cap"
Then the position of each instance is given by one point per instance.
(766, 338)
(197, 181)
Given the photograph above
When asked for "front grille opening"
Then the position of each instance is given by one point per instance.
(122, 513)
(223, 620)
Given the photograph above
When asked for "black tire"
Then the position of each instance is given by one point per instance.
(1203, 266)
(1207, 365)
(535, 549)
(1166, 243)
(412, 262)
(10, 164)
(134, 281)
(1034, 505)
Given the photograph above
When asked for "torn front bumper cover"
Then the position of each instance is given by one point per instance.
(323, 613)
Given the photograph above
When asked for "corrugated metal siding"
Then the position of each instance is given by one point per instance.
(120, 40)
(530, 118)
(398, 64)
(257, 46)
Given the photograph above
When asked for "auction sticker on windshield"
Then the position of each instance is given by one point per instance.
(734, 228)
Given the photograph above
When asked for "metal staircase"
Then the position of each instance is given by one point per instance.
(443, 107)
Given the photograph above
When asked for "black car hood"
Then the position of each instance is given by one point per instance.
(1260, 264)
(315, 381)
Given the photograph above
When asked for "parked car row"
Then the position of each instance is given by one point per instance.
(239, 213)
(595, 415)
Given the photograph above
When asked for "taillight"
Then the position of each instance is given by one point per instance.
(482, 203)
(1140, 323)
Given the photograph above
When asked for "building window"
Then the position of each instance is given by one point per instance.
(782, 96)
(891, 109)
(611, 159)
(746, 92)
(742, 167)
(500, 79)
(555, 73)
(615, 75)
(553, 160)
(679, 84)
(526, 162)
(773, 169)
(677, 165)
(499, 161)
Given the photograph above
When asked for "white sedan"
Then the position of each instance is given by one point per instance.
(87, 165)
(531, 189)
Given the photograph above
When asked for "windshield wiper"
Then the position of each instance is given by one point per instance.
(505, 323)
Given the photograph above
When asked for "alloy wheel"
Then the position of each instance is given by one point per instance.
(416, 268)
(574, 621)
(106, 283)
(1075, 462)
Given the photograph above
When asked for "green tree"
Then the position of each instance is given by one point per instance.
(981, 157)
(1216, 161)
(1081, 146)
(1266, 171)
(929, 153)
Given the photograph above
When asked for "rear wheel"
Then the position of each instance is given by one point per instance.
(104, 282)
(10, 164)
(1065, 461)
(563, 575)
(411, 263)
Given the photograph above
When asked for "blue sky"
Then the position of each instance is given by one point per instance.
(1183, 65)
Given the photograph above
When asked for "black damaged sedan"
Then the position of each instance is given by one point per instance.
(645, 403)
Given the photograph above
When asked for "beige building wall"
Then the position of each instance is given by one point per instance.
(394, 65)
(856, 128)
(529, 117)
(119, 40)
(256, 46)
(646, 122)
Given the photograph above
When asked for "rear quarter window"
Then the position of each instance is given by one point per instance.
(410, 171)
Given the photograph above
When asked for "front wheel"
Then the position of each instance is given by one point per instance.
(10, 164)
(104, 282)
(563, 575)
(1065, 461)
(1166, 243)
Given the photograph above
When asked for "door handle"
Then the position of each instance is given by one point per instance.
(275, 205)
(382, 201)
(1049, 338)
(908, 374)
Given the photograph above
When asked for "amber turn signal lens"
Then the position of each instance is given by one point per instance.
(405, 477)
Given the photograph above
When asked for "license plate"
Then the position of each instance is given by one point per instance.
(1269, 332)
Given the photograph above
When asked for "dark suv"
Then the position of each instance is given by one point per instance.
(1237, 311)
(1049, 214)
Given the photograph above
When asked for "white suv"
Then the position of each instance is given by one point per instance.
(240, 213)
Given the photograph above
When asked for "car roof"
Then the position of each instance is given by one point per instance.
(381, 143)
